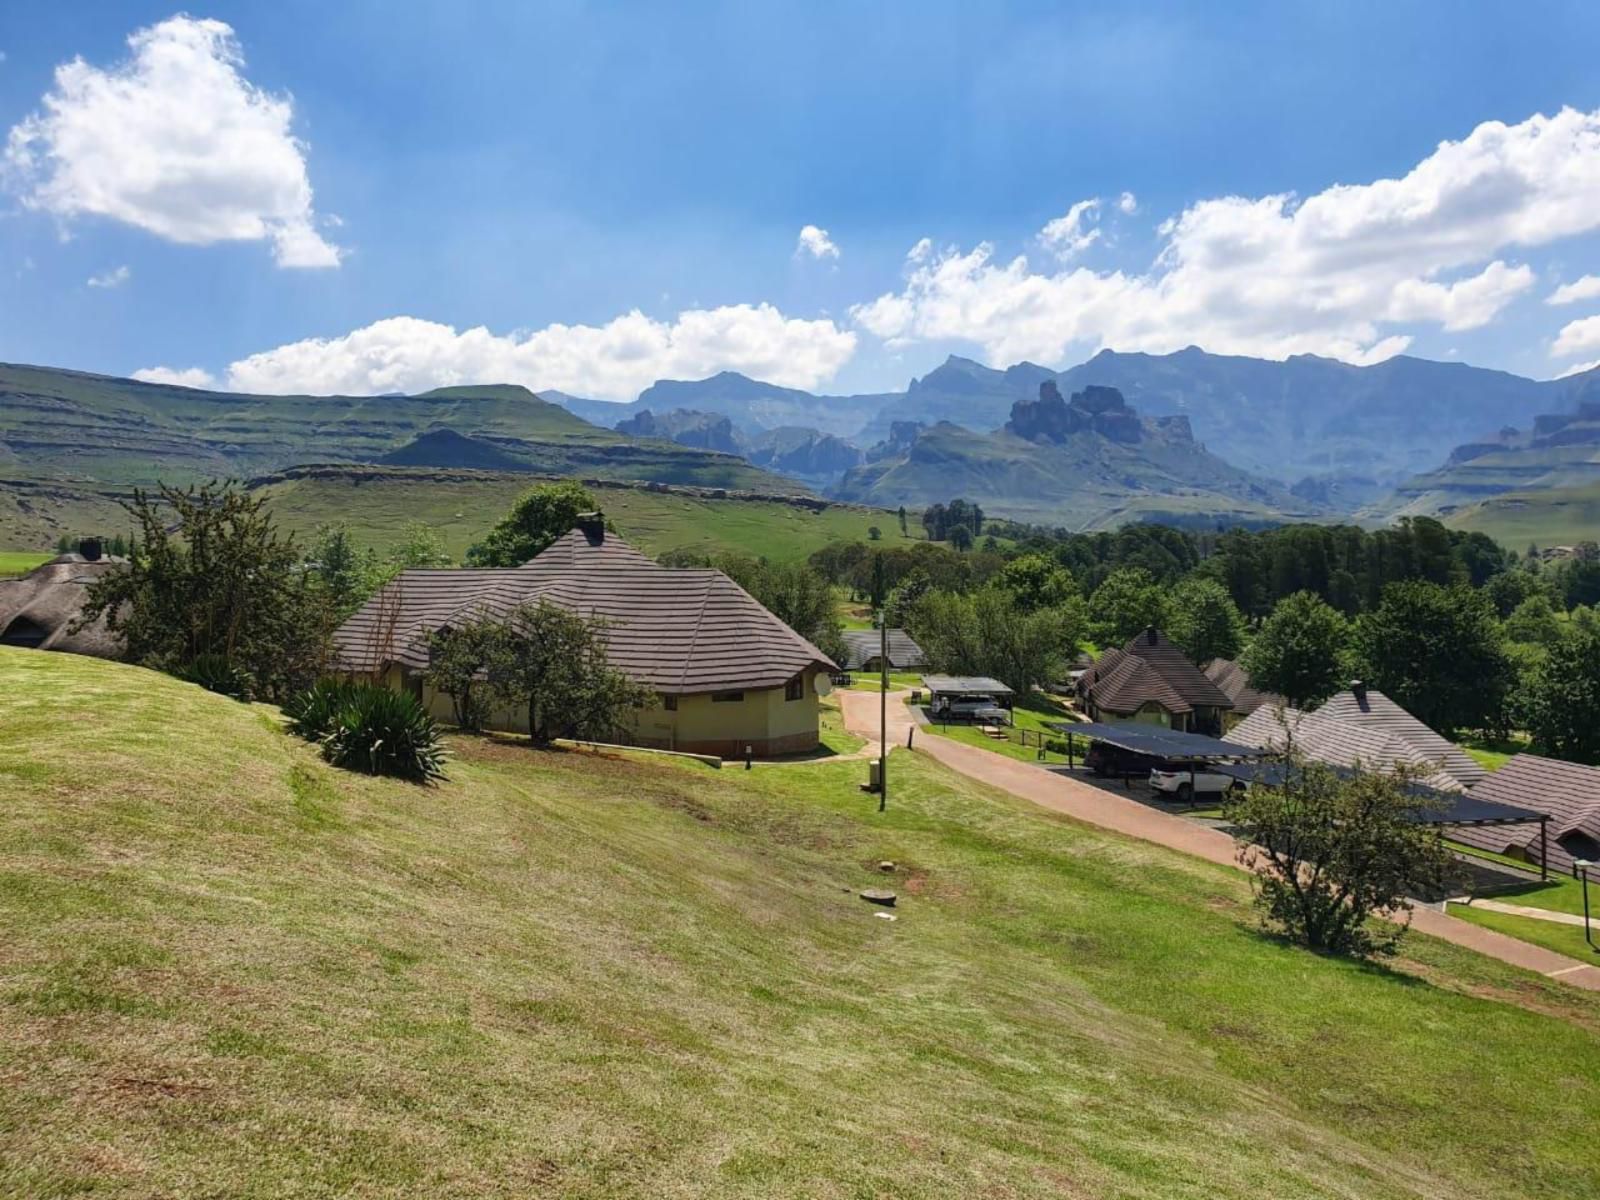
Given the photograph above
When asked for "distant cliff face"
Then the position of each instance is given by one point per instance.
(702, 431)
(1100, 410)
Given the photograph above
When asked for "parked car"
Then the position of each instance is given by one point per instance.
(1185, 784)
(971, 708)
(1105, 759)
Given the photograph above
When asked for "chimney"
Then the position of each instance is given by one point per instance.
(593, 526)
(1150, 635)
(1359, 691)
(90, 549)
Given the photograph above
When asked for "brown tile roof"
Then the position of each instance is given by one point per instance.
(1149, 669)
(863, 645)
(1370, 731)
(1568, 792)
(1232, 679)
(675, 631)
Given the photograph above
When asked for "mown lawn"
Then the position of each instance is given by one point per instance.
(230, 970)
(1563, 939)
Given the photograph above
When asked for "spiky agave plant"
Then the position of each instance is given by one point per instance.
(383, 732)
(311, 713)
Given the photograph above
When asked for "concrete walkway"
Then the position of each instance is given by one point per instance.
(1523, 910)
(1126, 816)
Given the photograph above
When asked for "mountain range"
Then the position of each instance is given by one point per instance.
(71, 427)
(1338, 432)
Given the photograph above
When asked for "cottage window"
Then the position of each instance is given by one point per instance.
(670, 703)
(726, 697)
(795, 688)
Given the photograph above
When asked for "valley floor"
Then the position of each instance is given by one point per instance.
(232, 970)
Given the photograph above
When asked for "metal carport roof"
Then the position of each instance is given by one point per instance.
(1158, 741)
(1455, 808)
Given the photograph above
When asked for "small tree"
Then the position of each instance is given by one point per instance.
(1124, 604)
(874, 534)
(540, 516)
(1204, 621)
(1297, 651)
(462, 660)
(210, 577)
(961, 538)
(1331, 853)
(554, 666)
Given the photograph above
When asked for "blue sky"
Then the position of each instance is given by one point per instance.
(329, 197)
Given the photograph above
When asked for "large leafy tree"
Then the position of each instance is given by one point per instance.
(1298, 650)
(1125, 603)
(1436, 651)
(210, 578)
(461, 662)
(985, 633)
(1035, 581)
(540, 516)
(1331, 853)
(1203, 620)
(1560, 698)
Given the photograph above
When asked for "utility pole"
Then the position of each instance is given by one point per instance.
(883, 710)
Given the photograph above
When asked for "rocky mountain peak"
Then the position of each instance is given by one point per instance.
(1095, 409)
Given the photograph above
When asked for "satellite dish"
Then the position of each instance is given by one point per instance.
(822, 683)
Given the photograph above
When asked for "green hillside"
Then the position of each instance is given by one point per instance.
(231, 970)
(97, 431)
(377, 504)
(1545, 517)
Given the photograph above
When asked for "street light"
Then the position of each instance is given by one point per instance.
(1582, 866)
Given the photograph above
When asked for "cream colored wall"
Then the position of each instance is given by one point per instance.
(761, 716)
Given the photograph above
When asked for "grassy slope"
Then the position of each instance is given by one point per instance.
(231, 970)
(1552, 517)
(377, 511)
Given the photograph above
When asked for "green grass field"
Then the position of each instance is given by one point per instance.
(377, 511)
(1493, 754)
(230, 970)
(20, 562)
(1545, 517)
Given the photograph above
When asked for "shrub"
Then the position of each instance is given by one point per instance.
(383, 732)
(218, 673)
(311, 712)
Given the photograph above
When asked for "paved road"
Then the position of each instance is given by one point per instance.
(1129, 817)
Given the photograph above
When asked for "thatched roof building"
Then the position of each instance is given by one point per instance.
(37, 611)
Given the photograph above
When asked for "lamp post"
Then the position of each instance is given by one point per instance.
(883, 711)
(1582, 866)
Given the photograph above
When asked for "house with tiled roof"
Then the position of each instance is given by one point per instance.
(40, 611)
(1233, 679)
(1362, 727)
(1568, 793)
(726, 673)
(864, 650)
(1151, 680)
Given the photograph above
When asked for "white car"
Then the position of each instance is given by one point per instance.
(1176, 780)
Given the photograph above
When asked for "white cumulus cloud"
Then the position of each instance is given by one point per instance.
(194, 377)
(1587, 288)
(614, 361)
(1128, 203)
(1274, 275)
(816, 243)
(114, 278)
(175, 141)
(1579, 369)
(1577, 336)
(1070, 235)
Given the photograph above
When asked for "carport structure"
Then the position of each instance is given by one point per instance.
(1158, 742)
(1448, 808)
